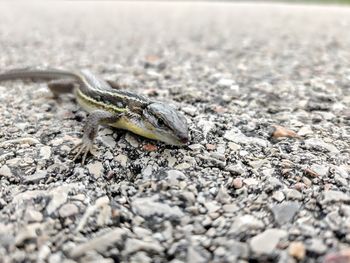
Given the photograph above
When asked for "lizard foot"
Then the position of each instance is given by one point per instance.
(82, 149)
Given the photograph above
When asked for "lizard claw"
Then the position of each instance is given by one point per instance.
(82, 148)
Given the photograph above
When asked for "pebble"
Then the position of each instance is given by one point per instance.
(134, 245)
(239, 138)
(245, 223)
(96, 169)
(278, 196)
(284, 212)
(197, 255)
(5, 171)
(319, 170)
(45, 152)
(122, 159)
(35, 178)
(32, 215)
(68, 210)
(225, 83)
(100, 243)
(297, 250)
(147, 207)
(317, 144)
(267, 241)
(331, 196)
(293, 194)
(237, 183)
(317, 246)
(131, 139)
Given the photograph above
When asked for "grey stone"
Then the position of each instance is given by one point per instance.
(320, 170)
(317, 246)
(5, 171)
(314, 143)
(147, 207)
(35, 178)
(96, 169)
(332, 196)
(134, 245)
(68, 210)
(293, 194)
(285, 212)
(101, 242)
(245, 223)
(266, 242)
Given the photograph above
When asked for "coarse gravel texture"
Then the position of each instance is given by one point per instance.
(265, 178)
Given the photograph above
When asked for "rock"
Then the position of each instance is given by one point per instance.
(297, 250)
(318, 170)
(196, 254)
(293, 194)
(211, 206)
(316, 245)
(45, 152)
(131, 140)
(250, 181)
(121, 159)
(35, 178)
(174, 176)
(237, 183)
(332, 196)
(190, 110)
(285, 212)
(318, 144)
(304, 131)
(96, 169)
(5, 171)
(239, 138)
(182, 166)
(27, 232)
(245, 223)
(134, 245)
(282, 132)
(278, 196)
(100, 243)
(266, 242)
(223, 197)
(225, 83)
(147, 207)
(68, 210)
(59, 196)
(236, 169)
(230, 208)
(32, 215)
(140, 257)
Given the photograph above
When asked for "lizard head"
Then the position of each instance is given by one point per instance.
(167, 124)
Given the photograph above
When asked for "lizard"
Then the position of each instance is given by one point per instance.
(107, 105)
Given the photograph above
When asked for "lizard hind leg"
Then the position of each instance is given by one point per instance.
(92, 123)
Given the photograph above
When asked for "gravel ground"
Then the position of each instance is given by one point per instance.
(265, 89)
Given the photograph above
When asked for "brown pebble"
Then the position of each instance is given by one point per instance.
(280, 131)
(311, 173)
(297, 250)
(150, 147)
(299, 186)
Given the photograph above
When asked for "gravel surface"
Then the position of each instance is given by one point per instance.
(265, 89)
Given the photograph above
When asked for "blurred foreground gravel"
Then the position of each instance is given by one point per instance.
(265, 89)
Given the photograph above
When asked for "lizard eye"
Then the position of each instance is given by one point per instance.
(160, 122)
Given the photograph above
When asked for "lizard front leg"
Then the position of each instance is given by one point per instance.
(92, 123)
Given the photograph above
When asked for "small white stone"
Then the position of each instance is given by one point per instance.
(5, 171)
(96, 169)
